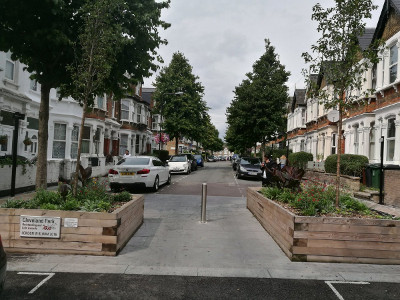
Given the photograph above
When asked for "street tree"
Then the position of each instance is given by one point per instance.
(96, 49)
(257, 111)
(338, 57)
(210, 138)
(47, 49)
(179, 99)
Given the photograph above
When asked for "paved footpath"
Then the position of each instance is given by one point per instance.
(232, 243)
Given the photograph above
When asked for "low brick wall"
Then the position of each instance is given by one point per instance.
(327, 239)
(392, 187)
(348, 182)
(96, 233)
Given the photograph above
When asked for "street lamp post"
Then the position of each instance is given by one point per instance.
(160, 111)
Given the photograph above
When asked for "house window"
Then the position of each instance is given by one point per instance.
(3, 146)
(60, 132)
(34, 144)
(74, 141)
(85, 147)
(302, 145)
(391, 133)
(33, 85)
(137, 144)
(334, 144)
(393, 64)
(303, 117)
(372, 141)
(112, 109)
(139, 114)
(125, 110)
(123, 144)
(356, 139)
(97, 141)
(10, 66)
(100, 102)
(374, 68)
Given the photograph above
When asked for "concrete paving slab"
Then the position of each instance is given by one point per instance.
(233, 272)
(90, 268)
(146, 270)
(26, 267)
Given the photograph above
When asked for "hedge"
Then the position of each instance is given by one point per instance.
(350, 164)
(163, 155)
(300, 159)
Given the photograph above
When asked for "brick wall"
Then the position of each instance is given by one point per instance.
(392, 187)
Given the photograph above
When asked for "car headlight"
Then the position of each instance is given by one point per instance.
(242, 169)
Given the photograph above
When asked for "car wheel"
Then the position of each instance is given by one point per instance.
(156, 184)
(238, 176)
(188, 171)
(169, 179)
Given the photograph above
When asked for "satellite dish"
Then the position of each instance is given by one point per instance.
(333, 116)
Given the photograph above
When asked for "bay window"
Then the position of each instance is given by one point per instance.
(390, 139)
(74, 141)
(393, 64)
(123, 144)
(59, 140)
(125, 110)
(10, 67)
(372, 141)
(85, 147)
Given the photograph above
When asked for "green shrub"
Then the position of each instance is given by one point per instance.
(350, 164)
(300, 159)
(122, 197)
(163, 155)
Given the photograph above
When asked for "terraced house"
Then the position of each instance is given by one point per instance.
(369, 119)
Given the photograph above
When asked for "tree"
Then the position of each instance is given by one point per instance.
(340, 59)
(98, 44)
(41, 34)
(184, 114)
(210, 139)
(257, 111)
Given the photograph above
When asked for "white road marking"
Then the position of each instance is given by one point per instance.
(330, 284)
(49, 275)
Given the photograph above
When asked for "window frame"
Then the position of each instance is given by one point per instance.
(58, 140)
(390, 139)
(394, 63)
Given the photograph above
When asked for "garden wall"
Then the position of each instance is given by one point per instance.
(96, 233)
(392, 187)
(349, 182)
(327, 239)
(25, 177)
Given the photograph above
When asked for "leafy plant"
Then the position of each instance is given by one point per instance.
(288, 177)
(300, 159)
(350, 164)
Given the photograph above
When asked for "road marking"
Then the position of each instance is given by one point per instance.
(49, 275)
(330, 284)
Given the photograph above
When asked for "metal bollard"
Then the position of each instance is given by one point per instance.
(203, 202)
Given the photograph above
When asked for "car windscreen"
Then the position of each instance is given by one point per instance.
(134, 161)
(197, 156)
(178, 158)
(250, 161)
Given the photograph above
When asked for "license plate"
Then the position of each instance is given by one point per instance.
(252, 173)
(127, 173)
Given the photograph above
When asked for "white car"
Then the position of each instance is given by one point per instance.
(179, 164)
(142, 171)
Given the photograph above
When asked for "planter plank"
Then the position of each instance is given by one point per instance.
(96, 234)
(327, 239)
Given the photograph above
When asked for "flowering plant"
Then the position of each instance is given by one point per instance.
(164, 138)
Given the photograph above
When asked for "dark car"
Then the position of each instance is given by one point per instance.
(248, 167)
(199, 160)
(192, 160)
(3, 266)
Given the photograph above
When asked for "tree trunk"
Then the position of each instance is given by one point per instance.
(339, 142)
(78, 158)
(263, 149)
(176, 144)
(43, 135)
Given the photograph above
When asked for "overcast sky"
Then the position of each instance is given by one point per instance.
(223, 38)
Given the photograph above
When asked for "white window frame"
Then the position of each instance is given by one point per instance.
(390, 139)
(97, 140)
(102, 102)
(10, 63)
(334, 143)
(139, 114)
(372, 136)
(126, 103)
(86, 141)
(394, 64)
(33, 85)
(74, 141)
(123, 144)
(356, 139)
(58, 139)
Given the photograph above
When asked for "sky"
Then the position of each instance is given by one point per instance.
(223, 38)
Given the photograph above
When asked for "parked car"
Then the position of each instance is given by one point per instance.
(235, 159)
(211, 158)
(192, 160)
(142, 171)
(3, 266)
(248, 167)
(180, 164)
(199, 160)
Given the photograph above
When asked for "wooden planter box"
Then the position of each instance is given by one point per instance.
(96, 233)
(327, 239)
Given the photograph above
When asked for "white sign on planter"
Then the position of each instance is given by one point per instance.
(40, 227)
(70, 222)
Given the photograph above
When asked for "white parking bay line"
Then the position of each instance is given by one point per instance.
(49, 275)
(330, 284)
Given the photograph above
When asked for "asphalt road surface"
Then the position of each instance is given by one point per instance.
(122, 286)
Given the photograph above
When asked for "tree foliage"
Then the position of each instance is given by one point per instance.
(339, 58)
(257, 110)
(184, 114)
(210, 139)
(41, 34)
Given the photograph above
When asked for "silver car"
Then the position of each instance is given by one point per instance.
(139, 171)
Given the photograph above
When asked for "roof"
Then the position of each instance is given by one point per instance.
(299, 98)
(147, 94)
(366, 38)
(383, 18)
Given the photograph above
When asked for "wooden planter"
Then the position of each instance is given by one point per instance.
(96, 233)
(327, 239)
